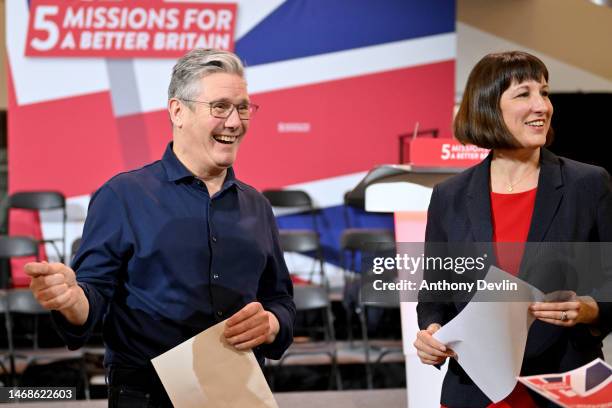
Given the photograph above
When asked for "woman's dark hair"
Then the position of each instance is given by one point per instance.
(479, 120)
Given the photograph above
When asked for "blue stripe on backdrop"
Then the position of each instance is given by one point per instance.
(300, 28)
(331, 222)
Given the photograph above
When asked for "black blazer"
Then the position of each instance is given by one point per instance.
(573, 204)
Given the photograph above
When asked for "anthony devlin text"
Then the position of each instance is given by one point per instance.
(444, 285)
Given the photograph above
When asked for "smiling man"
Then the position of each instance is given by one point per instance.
(172, 248)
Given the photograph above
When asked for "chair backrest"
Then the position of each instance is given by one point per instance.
(288, 198)
(15, 246)
(351, 201)
(367, 239)
(44, 200)
(309, 297)
(37, 200)
(299, 241)
(23, 301)
(354, 203)
(76, 244)
(296, 199)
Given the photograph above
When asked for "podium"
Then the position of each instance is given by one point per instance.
(406, 191)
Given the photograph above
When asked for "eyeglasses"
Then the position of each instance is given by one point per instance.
(223, 110)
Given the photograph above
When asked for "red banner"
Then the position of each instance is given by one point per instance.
(127, 29)
(444, 153)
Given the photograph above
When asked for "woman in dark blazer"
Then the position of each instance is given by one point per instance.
(521, 192)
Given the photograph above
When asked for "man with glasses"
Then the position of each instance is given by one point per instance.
(172, 248)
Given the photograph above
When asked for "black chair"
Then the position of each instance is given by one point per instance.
(383, 347)
(293, 240)
(42, 201)
(12, 247)
(21, 303)
(309, 298)
(9, 353)
(365, 242)
(356, 242)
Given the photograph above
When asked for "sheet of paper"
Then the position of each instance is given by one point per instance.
(205, 371)
(489, 337)
(589, 386)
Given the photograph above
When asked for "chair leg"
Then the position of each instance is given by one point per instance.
(347, 308)
(334, 377)
(271, 377)
(83, 368)
(349, 324)
(337, 375)
(11, 348)
(60, 256)
(366, 348)
(5, 371)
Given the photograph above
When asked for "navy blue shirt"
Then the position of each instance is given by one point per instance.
(161, 260)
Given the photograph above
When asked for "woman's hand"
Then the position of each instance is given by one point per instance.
(430, 350)
(566, 309)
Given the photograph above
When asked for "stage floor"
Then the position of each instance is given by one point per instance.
(389, 398)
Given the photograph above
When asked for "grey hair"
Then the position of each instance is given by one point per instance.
(197, 64)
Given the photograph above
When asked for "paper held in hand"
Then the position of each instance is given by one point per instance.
(205, 371)
(492, 332)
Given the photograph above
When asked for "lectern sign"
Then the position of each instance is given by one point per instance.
(444, 153)
(127, 29)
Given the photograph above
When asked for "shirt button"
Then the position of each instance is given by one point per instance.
(215, 276)
(219, 313)
(214, 239)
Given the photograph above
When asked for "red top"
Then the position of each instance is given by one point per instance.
(511, 218)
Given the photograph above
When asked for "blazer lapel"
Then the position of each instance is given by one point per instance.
(479, 202)
(548, 196)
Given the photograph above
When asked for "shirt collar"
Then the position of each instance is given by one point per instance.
(175, 170)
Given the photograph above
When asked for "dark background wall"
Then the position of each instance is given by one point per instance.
(583, 127)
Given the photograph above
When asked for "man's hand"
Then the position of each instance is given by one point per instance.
(564, 308)
(251, 326)
(54, 287)
(430, 350)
